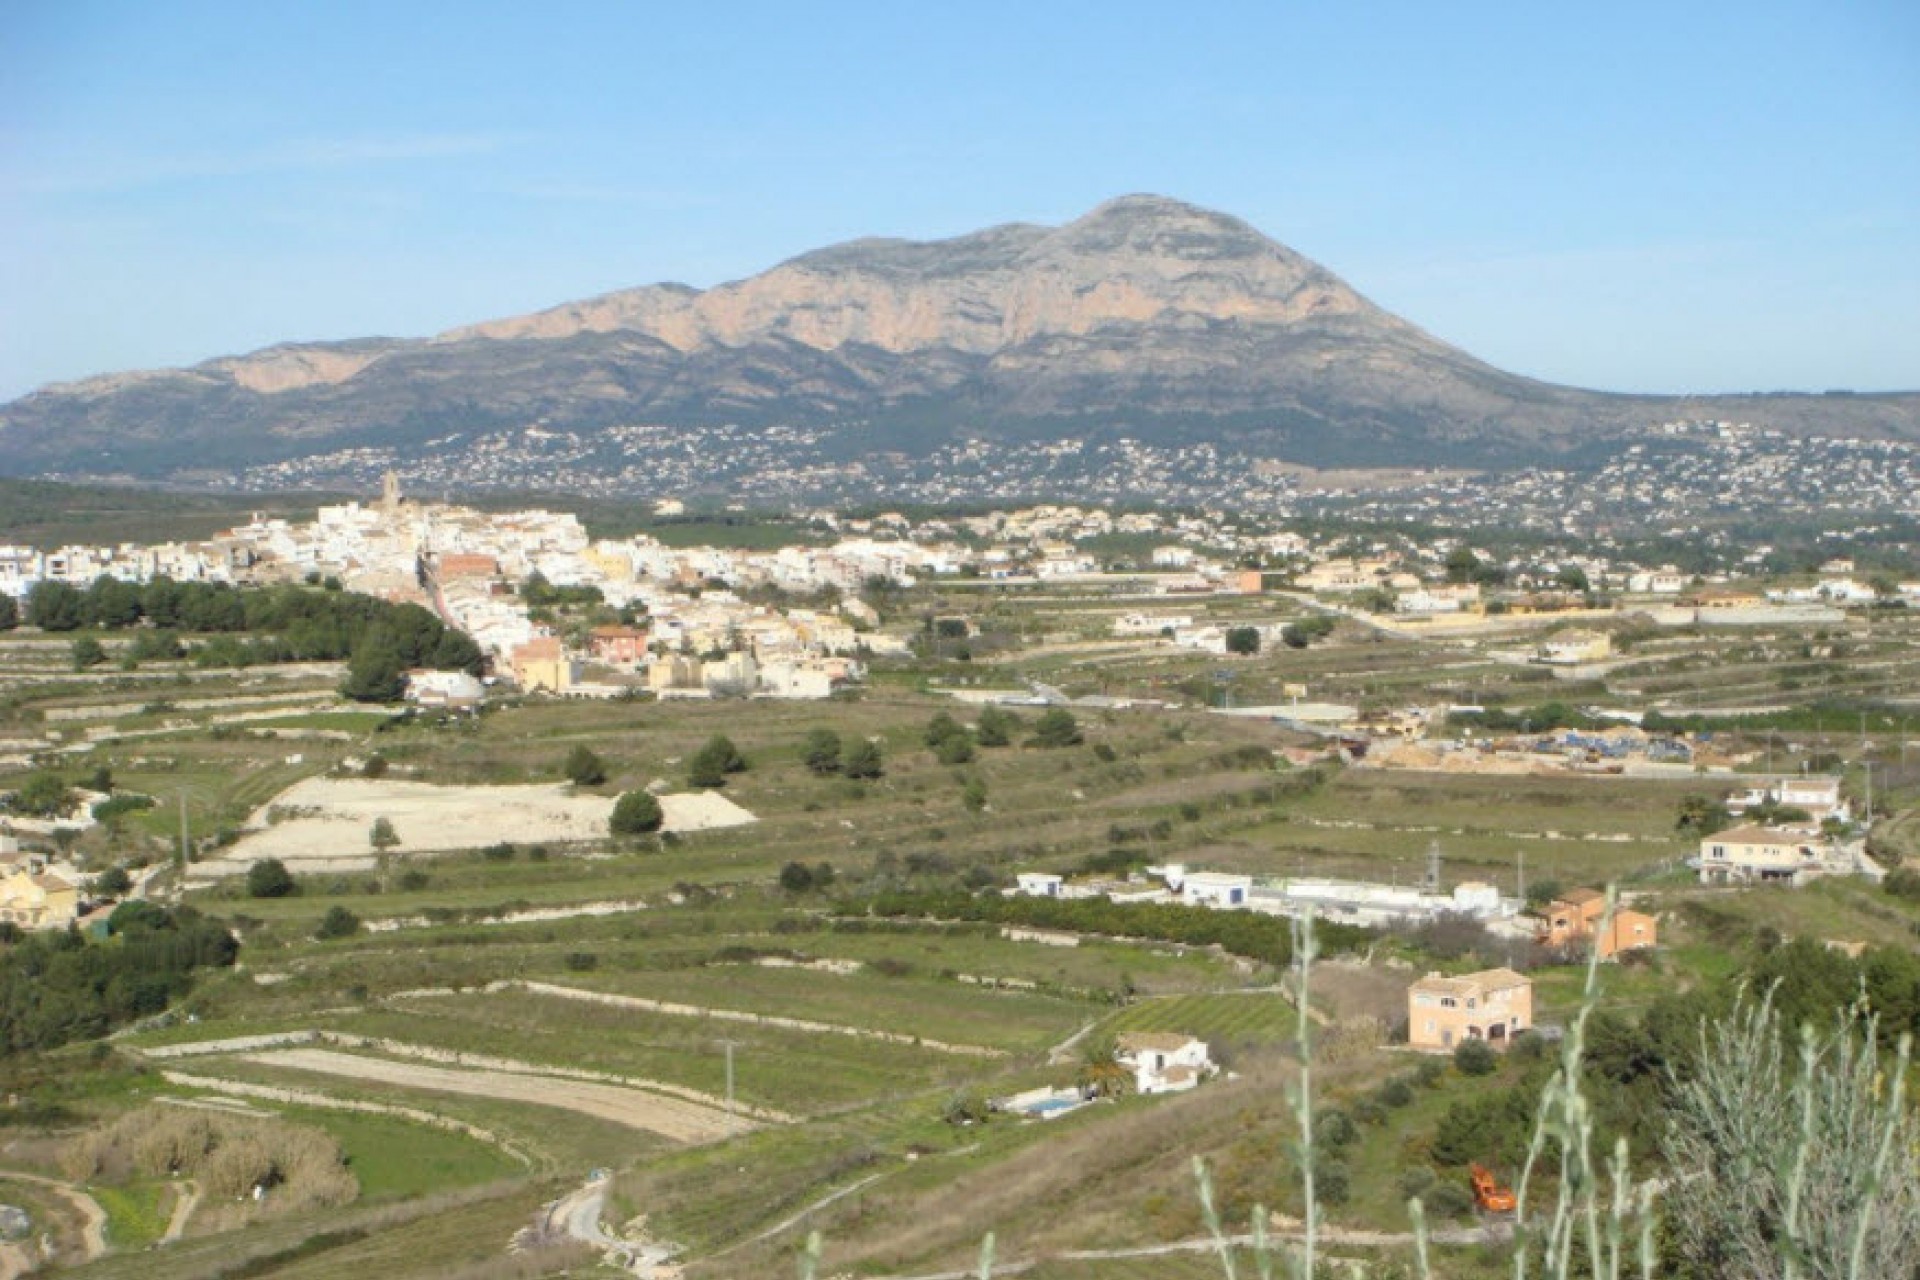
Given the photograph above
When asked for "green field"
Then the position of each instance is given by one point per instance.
(1254, 1018)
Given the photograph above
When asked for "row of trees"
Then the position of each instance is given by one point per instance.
(284, 623)
(58, 987)
(825, 755)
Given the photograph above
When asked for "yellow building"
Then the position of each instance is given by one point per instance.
(1493, 1005)
(32, 897)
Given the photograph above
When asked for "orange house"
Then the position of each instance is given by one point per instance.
(1493, 1005)
(1575, 917)
(618, 646)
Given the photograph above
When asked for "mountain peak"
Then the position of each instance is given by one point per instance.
(1144, 314)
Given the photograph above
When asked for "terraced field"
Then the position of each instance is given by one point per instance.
(1249, 1018)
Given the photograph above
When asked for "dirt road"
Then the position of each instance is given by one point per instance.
(93, 1219)
(672, 1118)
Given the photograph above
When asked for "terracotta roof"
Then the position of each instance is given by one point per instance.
(1472, 984)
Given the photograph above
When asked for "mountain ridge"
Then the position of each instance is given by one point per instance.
(1146, 313)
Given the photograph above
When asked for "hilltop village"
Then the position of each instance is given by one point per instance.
(692, 621)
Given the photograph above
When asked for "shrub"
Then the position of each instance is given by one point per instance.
(1334, 1128)
(383, 837)
(1416, 1181)
(337, 923)
(995, 728)
(581, 961)
(118, 806)
(1447, 1199)
(1396, 1093)
(973, 795)
(583, 768)
(113, 882)
(1333, 1182)
(711, 764)
(1814, 1162)
(954, 750)
(636, 813)
(413, 880)
(1475, 1058)
(269, 878)
(42, 795)
(821, 752)
(796, 877)
(87, 653)
(1903, 882)
(864, 760)
(1056, 728)
(502, 852)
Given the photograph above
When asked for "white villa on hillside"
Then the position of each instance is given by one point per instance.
(1163, 1061)
(1819, 796)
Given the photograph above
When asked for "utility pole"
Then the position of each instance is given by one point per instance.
(185, 843)
(1520, 877)
(729, 1046)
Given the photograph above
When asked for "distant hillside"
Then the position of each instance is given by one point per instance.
(40, 513)
(1147, 319)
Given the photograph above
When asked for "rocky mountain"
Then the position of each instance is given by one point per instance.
(1146, 319)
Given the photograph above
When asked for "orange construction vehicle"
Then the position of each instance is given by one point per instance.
(1488, 1194)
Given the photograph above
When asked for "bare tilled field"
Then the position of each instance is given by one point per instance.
(672, 1118)
(322, 824)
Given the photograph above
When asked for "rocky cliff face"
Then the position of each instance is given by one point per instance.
(1147, 316)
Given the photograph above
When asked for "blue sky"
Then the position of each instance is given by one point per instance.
(1670, 197)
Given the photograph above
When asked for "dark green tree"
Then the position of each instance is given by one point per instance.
(822, 751)
(1243, 640)
(113, 882)
(1475, 1058)
(55, 606)
(337, 923)
(712, 763)
(9, 612)
(1056, 727)
(1701, 816)
(636, 813)
(87, 653)
(112, 604)
(42, 795)
(585, 769)
(457, 651)
(995, 728)
(796, 877)
(375, 672)
(942, 728)
(864, 761)
(269, 878)
(973, 795)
